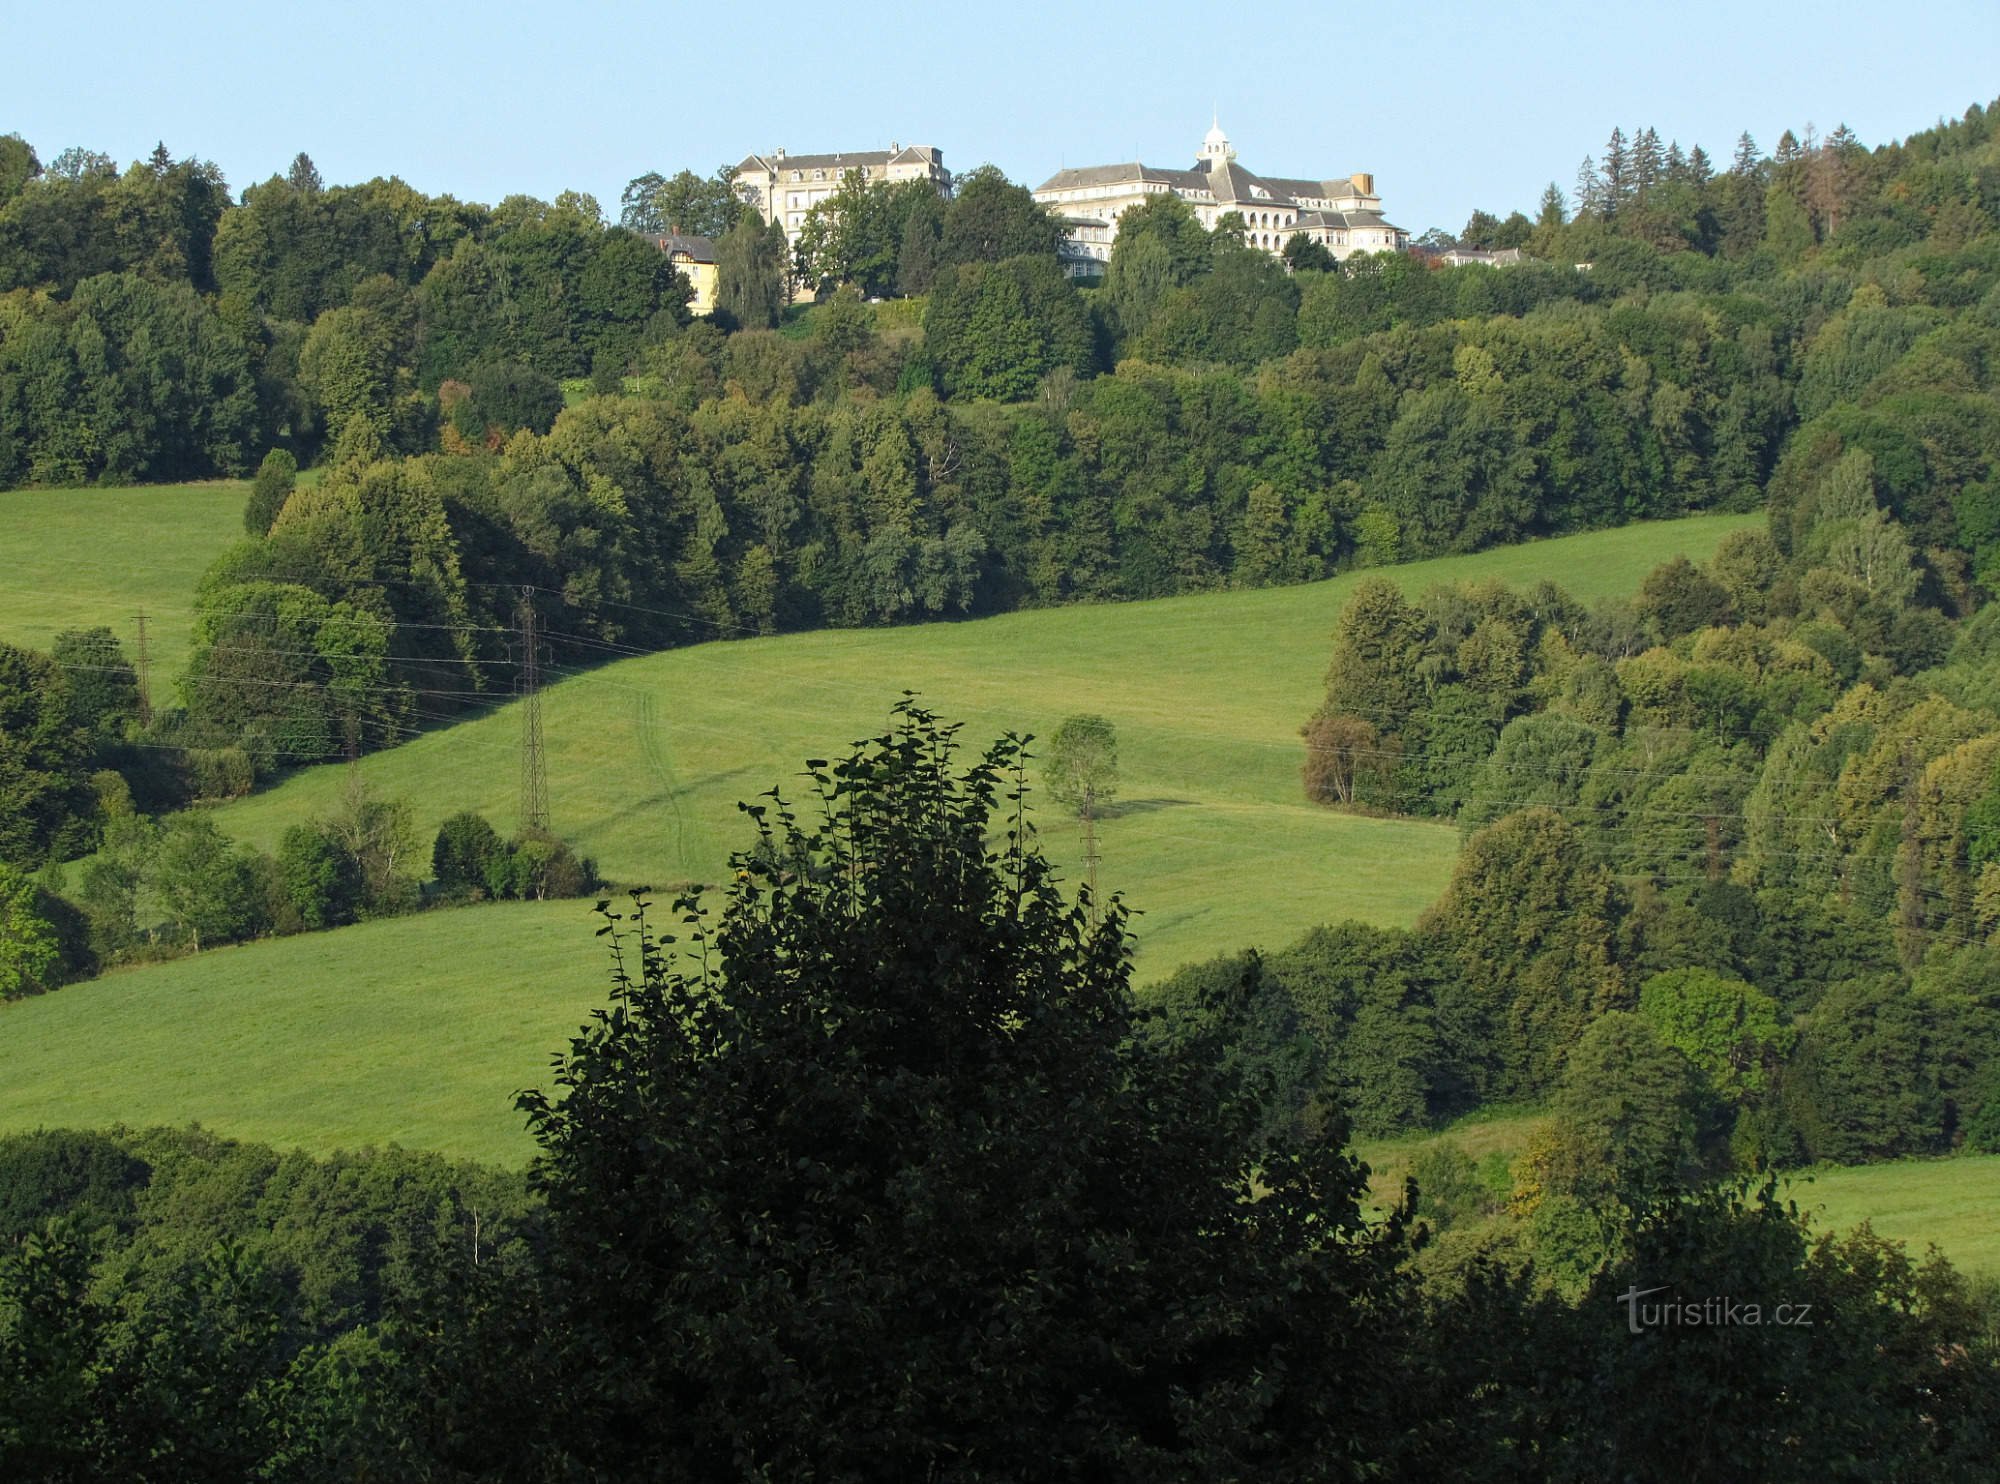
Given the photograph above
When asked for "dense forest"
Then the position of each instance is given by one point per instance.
(1208, 416)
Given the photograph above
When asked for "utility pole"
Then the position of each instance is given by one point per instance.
(534, 773)
(145, 678)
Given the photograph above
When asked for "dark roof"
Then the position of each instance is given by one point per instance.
(1090, 175)
(853, 159)
(1345, 219)
(695, 249)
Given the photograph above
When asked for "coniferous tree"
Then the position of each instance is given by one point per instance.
(1645, 163)
(1589, 190)
(1616, 172)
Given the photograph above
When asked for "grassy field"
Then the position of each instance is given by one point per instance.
(417, 1031)
(1953, 1203)
(76, 558)
(1211, 838)
(420, 1030)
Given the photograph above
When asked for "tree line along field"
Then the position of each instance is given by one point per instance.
(334, 1039)
(1948, 1203)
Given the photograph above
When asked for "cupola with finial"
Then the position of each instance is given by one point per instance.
(1215, 148)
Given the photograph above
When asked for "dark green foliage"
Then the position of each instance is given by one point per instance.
(539, 867)
(103, 686)
(1680, 598)
(126, 379)
(996, 331)
(1538, 761)
(1979, 1109)
(277, 477)
(1526, 922)
(1303, 255)
(464, 852)
(1865, 1082)
(751, 273)
(46, 808)
(844, 1154)
(506, 397)
(989, 219)
(1627, 1107)
(1365, 999)
(322, 879)
(90, 1179)
(1879, 1359)
(223, 1311)
(211, 892)
(1449, 1188)
(686, 203)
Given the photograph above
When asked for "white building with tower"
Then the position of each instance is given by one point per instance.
(1343, 215)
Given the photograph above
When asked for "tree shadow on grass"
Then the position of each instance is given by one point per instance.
(1142, 806)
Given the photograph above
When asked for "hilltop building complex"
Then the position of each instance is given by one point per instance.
(783, 187)
(1345, 215)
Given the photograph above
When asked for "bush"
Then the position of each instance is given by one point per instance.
(320, 879)
(462, 858)
(545, 868)
(221, 772)
(39, 937)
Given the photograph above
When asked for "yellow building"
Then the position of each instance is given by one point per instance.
(694, 259)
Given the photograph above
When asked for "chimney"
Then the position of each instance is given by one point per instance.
(1363, 183)
(778, 154)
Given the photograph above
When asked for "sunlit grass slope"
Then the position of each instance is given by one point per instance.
(77, 558)
(1211, 837)
(1954, 1203)
(417, 1030)
(420, 1030)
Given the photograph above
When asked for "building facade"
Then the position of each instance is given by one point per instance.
(694, 259)
(1344, 216)
(783, 187)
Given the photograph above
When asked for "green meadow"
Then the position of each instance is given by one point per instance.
(1210, 836)
(1953, 1204)
(77, 558)
(413, 1031)
(420, 1030)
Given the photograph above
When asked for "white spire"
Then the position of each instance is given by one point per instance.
(1215, 144)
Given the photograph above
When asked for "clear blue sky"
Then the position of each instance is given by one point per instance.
(1451, 106)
